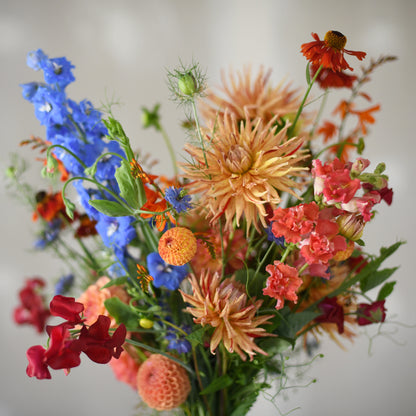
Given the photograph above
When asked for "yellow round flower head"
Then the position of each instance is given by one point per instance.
(177, 246)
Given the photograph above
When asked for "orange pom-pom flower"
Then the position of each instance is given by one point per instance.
(162, 383)
(177, 246)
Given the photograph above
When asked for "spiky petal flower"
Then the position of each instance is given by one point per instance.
(252, 94)
(162, 383)
(224, 306)
(247, 165)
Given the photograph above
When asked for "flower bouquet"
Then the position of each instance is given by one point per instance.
(194, 288)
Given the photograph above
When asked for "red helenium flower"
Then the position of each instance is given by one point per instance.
(329, 52)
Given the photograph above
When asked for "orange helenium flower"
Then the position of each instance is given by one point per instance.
(224, 306)
(329, 52)
(248, 164)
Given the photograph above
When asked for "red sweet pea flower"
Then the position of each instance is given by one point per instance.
(295, 222)
(282, 283)
(96, 342)
(67, 308)
(32, 310)
(371, 313)
(332, 312)
(329, 52)
(328, 78)
(59, 355)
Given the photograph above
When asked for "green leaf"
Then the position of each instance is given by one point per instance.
(116, 282)
(377, 278)
(253, 282)
(110, 208)
(127, 185)
(385, 290)
(308, 74)
(291, 323)
(218, 384)
(197, 337)
(121, 312)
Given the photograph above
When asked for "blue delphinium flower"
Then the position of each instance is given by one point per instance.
(178, 198)
(116, 232)
(35, 58)
(64, 284)
(165, 274)
(57, 71)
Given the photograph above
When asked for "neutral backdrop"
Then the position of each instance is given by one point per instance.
(122, 49)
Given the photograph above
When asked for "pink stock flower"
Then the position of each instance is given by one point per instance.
(334, 182)
(323, 243)
(363, 204)
(295, 222)
(282, 283)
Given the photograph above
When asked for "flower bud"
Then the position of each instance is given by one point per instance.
(187, 84)
(351, 226)
(146, 323)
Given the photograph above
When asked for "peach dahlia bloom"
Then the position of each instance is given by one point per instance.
(224, 306)
(253, 95)
(248, 164)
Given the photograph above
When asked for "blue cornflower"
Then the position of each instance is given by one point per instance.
(165, 274)
(178, 342)
(178, 198)
(280, 241)
(49, 234)
(64, 284)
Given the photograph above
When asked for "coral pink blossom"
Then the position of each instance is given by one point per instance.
(125, 369)
(282, 283)
(295, 222)
(93, 299)
(323, 243)
(363, 205)
(162, 383)
(334, 182)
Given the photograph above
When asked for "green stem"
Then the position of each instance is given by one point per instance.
(68, 151)
(320, 112)
(170, 149)
(302, 104)
(198, 131)
(269, 250)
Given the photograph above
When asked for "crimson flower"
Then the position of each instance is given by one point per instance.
(59, 354)
(329, 52)
(371, 313)
(96, 342)
(332, 312)
(32, 310)
(67, 308)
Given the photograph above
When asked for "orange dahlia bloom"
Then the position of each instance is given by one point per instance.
(329, 52)
(224, 306)
(248, 164)
(253, 95)
(162, 383)
(177, 246)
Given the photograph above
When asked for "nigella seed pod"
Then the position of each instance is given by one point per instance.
(187, 84)
(351, 226)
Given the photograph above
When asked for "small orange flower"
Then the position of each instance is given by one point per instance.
(329, 52)
(162, 383)
(328, 78)
(49, 206)
(177, 246)
(144, 277)
(328, 130)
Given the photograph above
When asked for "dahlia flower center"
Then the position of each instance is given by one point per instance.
(335, 39)
(238, 159)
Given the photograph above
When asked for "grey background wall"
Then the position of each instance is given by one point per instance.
(123, 48)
